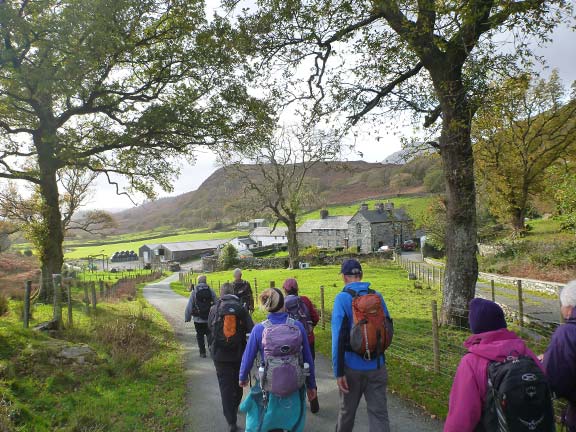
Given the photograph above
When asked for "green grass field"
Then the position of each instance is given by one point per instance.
(415, 206)
(137, 384)
(109, 249)
(410, 357)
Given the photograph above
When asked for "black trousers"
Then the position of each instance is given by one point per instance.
(202, 333)
(231, 393)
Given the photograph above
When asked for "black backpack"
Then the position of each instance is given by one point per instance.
(244, 293)
(229, 328)
(204, 302)
(519, 398)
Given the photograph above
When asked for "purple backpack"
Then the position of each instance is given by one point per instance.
(299, 311)
(283, 365)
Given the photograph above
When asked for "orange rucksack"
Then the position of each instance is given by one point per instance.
(371, 331)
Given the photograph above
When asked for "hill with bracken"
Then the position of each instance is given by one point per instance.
(220, 200)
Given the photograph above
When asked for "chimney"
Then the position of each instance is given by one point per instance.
(380, 207)
(323, 214)
(363, 206)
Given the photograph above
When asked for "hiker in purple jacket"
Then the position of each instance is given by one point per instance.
(285, 416)
(560, 357)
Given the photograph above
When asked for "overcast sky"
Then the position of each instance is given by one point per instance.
(560, 54)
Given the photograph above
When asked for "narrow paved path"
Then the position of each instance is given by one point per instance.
(204, 411)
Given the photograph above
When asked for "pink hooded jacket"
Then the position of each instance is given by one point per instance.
(471, 380)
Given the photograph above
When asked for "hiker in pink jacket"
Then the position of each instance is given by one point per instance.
(491, 341)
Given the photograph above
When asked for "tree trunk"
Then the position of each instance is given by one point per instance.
(293, 253)
(461, 242)
(517, 219)
(50, 235)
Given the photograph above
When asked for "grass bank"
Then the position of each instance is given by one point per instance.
(135, 383)
(410, 357)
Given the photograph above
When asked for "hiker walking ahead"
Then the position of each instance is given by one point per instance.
(302, 309)
(361, 331)
(560, 358)
(228, 324)
(499, 380)
(243, 291)
(198, 307)
(285, 373)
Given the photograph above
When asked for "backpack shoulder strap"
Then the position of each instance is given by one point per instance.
(371, 291)
(267, 323)
(351, 292)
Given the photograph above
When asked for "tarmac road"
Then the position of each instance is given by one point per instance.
(204, 412)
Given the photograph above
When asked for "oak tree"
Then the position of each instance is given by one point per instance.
(372, 57)
(527, 126)
(119, 88)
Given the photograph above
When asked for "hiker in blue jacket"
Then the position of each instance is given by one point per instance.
(278, 413)
(355, 375)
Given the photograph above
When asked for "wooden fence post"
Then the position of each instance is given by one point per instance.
(86, 297)
(435, 337)
(94, 301)
(322, 311)
(272, 284)
(27, 292)
(101, 282)
(520, 303)
(57, 313)
(493, 290)
(256, 287)
(69, 304)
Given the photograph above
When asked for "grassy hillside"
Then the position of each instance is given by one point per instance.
(416, 206)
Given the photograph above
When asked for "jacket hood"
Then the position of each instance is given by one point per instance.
(496, 345)
(358, 286)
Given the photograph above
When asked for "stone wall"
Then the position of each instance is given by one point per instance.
(372, 236)
(363, 240)
(529, 284)
(323, 238)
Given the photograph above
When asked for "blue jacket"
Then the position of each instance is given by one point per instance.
(342, 312)
(255, 346)
(560, 360)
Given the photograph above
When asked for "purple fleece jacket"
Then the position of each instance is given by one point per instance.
(255, 346)
(560, 360)
(471, 380)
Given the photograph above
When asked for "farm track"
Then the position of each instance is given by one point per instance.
(203, 411)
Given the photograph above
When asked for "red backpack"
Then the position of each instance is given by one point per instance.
(371, 331)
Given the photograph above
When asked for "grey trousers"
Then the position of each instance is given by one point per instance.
(371, 385)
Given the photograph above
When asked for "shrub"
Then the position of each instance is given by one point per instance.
(28, 253)
(4, 307)
(310, 251)
(228, 256)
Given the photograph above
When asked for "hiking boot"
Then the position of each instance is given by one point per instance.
(314, 406)
(234, 428)
(203, 355)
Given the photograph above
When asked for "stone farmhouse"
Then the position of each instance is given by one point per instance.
(367, 230)
(327, 232)
(384, 225)
(263, 236)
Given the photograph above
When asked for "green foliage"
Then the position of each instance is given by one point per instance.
(524, 130)
(434, 181)
(27, 252)
(310, 251)
(139, 371)
(565, 197)
(3, 304)
(228, 256)
(435, 222)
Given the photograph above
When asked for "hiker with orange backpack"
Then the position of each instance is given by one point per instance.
(361, 332)
(229, 322)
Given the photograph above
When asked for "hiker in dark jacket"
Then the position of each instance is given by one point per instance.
(198, 308)
(243, 290)
(560, 357)
(228, 324)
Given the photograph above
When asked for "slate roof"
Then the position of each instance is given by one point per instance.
(330, 223)
(194, 245)
(377, 216)
(265, 232)
(247, 241)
